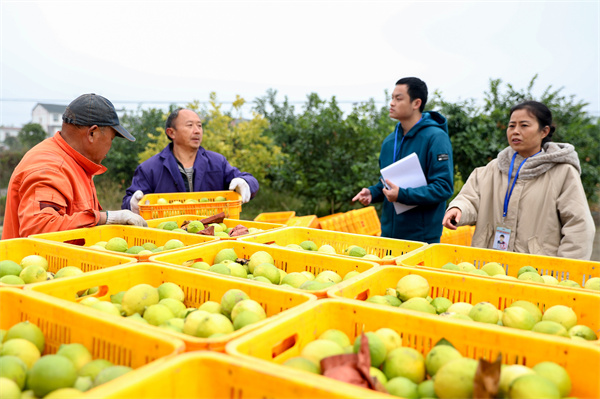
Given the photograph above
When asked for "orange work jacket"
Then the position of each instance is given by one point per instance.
(51, 189)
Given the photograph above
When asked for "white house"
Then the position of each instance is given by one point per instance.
(49, 116)
(8, 131)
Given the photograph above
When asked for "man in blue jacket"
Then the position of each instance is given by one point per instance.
(185, 166)
(426, 134)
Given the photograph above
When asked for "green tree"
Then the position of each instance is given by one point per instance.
(124, 155)
(330, 157)
(243, 142)
(479, 133)
(9, 159)
(29, 135)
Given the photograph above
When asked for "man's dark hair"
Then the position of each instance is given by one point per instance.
(416, 89)
(170, 123)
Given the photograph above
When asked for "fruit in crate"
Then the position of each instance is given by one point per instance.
(9, 268)
(120, 245)
(164, 306)
(351, 250)
(68, 373)
(212, 226)
(412, 293)
(525, 273)
(408, 373)
(261, 267)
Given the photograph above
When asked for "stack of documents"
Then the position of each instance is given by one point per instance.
(405, 173)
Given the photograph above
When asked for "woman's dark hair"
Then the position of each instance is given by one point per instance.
(541, 113)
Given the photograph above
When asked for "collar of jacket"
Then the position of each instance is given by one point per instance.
(90, 168)
(552, 154)
(428, 118)
(170, 162)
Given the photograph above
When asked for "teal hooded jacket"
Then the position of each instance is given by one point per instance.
(430, 141)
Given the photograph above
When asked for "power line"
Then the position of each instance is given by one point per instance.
(168, 102)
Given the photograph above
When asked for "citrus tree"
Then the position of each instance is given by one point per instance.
(478, 133)
(242, 141)
(330, 156)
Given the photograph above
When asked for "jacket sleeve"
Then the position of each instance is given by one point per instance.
(468, 199)
(439, 176)
(377, 190)
(231, 172)
(138, 182)
(44, 203)
(578, 228)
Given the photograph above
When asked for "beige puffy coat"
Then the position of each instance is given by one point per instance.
(548, 213)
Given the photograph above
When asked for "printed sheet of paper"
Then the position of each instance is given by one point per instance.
(405, 173)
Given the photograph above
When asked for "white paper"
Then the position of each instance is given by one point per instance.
(405, 173)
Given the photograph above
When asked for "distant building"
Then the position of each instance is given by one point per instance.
(8, 131)
(49, 116)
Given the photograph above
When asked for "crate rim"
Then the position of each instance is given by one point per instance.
(209, 343)
(318, 293)
(358, 236)
(403, 257)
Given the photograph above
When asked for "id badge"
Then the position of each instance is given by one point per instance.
(501, 238)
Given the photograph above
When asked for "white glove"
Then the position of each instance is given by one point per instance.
(238, 184)
(125, 216)
(133, 202)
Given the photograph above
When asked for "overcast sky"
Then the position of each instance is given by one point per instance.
(179, 51)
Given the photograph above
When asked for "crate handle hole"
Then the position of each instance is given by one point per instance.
(284, 345)
(363, 296)
(76, 241)
(97, 291)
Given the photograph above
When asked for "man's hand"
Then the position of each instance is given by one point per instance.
(451, 218)
(125, 217)
(392, 193)
(238, 184)
(364, 197)
(135, 199)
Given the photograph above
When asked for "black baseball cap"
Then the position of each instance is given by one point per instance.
(91, 109)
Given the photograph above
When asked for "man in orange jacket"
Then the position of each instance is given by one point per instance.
(52, 188)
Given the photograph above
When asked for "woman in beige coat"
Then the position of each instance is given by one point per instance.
(542, 208)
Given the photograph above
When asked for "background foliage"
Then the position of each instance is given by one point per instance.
(315, 159)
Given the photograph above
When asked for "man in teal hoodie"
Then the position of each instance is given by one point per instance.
(426, 134)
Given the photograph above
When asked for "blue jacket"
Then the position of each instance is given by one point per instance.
(430, 141)
(160, 174)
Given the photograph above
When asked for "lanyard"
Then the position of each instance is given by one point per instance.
(396, 142)
(509, 188)
(401, 141)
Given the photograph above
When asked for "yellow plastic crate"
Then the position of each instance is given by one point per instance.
(304, 221)
(352, 225)
(339, 222)
(461, 236)
(63, 323)
(286, 259)
(216, 375)
(280, 341)
(329, 222)
(232, 207)
(228, 222)
(435, 256)
(339, 241)
(132, 234)
(460, 288)
(366, 221)
(275, 217)
(198, 288)
(58, 255)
